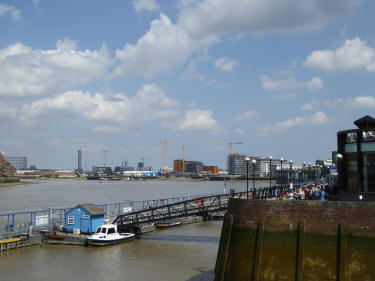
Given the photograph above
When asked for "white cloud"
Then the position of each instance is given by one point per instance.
(354, 54)
(27, 72)
(149, 103)
(317, 118)
(225, 64)
(194, 120)
(106, 129)
(161, 48)
(222, 16)
(352, 103)
(247, 116)
(200, 24)
(148, 5)
(12, 11)
(290, 83)
(310, 106)
(238, 132)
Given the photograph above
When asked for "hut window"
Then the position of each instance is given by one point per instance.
(85, 216)
(70, 220)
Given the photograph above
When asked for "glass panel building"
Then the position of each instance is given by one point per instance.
(357, 166)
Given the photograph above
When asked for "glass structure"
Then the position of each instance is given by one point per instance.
(357, 166)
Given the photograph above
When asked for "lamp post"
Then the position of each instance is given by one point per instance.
(303, 171)
(309, 171)
(281, 171)
(254, 162)
(290, 170)
(270, 170)
(247, 159)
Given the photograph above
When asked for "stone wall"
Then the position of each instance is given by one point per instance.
(319, 217)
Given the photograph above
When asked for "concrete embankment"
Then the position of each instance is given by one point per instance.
(297, 240)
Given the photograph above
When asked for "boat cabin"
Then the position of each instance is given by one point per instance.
(85, 217)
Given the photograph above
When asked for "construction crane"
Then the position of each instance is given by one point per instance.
(225, 142)
(105, 154)
(183, 156)
(165, 156)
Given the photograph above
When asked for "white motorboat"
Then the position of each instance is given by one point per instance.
(107, 234)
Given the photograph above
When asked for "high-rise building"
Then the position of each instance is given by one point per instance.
(236, 164)
(20, 163)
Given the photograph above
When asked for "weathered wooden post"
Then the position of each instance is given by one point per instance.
(223, 252)
(341, 253)
(258, 251)
(300, 251)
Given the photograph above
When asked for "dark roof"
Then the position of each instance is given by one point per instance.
(366, 122)
(92, 209)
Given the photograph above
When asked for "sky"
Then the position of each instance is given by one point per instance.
(282, 77)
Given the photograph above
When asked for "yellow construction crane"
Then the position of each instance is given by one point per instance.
(225, 142)
(183, 156)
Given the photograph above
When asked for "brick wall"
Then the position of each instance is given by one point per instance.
(319, 217)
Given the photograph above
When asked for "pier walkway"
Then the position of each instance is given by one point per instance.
(128, 213)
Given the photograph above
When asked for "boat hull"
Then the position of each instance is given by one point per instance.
(106, 242)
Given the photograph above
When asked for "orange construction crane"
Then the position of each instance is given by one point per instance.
(183, 156)
(225, 142)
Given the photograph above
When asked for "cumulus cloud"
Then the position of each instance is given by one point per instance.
(354, 54)
(106, 129)
(150, 102)
(352, 103)
(317, 118)
(247, 116)
(201, 23)
(13, 12)
(225, 64)
(162, 47)
(28, 72)
(290, 83)
(148, 5)
(194, 120)
(310, 106)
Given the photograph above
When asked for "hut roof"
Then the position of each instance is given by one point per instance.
(92, 209)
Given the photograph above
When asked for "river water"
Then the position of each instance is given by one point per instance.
(186, 252)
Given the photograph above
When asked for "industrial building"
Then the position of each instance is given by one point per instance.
(20, 163)
(194, 167)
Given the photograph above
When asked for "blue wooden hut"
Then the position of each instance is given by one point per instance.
(85, 217)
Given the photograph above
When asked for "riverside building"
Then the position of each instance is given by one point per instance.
(355, 160)
(20, 163)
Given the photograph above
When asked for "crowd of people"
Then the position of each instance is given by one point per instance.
(316, 191)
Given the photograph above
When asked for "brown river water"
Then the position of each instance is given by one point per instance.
(186, 252)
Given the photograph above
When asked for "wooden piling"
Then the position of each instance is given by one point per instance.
(258, 251)
(341, 252)
(223, 252)
(300, 251)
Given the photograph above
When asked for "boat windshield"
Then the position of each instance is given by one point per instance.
(104, 230)
(99, 230)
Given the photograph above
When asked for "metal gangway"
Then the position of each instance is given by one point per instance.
(201, 206)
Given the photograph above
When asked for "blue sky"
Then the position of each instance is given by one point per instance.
(280, 76)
